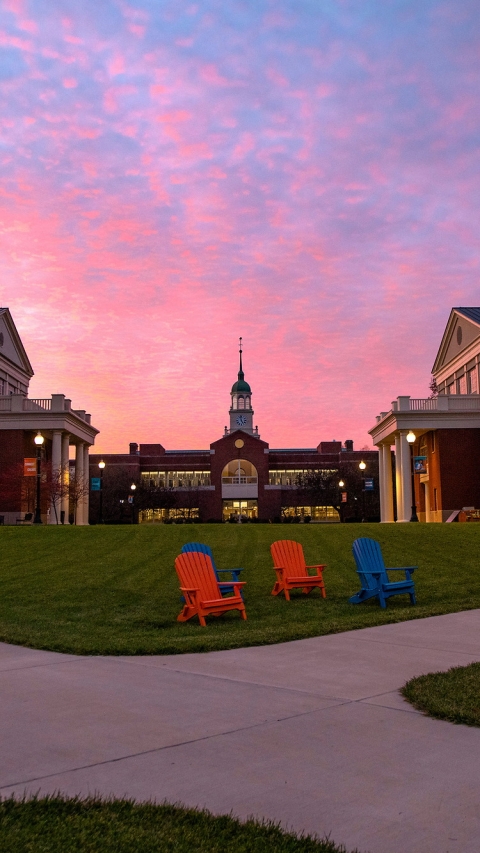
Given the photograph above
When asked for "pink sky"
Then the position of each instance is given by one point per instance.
(173, 176)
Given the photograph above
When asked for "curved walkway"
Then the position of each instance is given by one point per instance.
(312, 733)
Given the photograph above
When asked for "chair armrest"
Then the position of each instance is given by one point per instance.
(369, 572)
(316, 567)
(235, 584)
(229, 570)
(402, 568)
(190, 595)
(234, 572)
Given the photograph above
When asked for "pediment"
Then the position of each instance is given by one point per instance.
(461, 331)
(249, 440)
(11, 348)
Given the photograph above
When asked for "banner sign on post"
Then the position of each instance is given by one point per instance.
(368, 487)
(344, 497)
(29, 467)
(420, 464)
(95, 484)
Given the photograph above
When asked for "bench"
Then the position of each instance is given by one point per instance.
(27, 519)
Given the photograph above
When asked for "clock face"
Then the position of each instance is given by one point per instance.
(241, 420)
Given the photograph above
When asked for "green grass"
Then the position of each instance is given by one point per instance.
(113, 590)
(453, 695)
(59, 825)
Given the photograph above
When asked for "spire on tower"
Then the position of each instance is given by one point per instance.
(240, 372)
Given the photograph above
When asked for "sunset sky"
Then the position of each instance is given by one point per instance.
(304, 173)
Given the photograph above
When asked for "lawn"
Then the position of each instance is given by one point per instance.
(453, 695)
(58, 825)
(113, 590)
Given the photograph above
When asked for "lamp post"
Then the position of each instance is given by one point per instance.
(362, 465)
(340, 486)
(39, 439)
(101, 465)
(133, 487)
(411, 438)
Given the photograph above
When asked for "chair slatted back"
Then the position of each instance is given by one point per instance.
(201, 549)
(368, 557)
(289, 554)
(195, 571)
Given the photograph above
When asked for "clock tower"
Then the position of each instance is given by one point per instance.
(241, 412)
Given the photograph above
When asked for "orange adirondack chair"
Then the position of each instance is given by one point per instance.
(292, 573)
(202, 591)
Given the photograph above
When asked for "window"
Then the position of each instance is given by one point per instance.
(451, 388)
(462, 385)
(241, 402)
(473, 381)
(239, 472)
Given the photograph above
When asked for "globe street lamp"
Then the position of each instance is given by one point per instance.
(341, 484)
(101, 465)
(133, 487)
(362, 465)
(411, 438)
(39, 439)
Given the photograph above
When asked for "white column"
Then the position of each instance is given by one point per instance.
(406, 476)
(56, 469)
(86, 474)
(381, 482)
(79, 479)
(428, 517)
(387, 483)
(398, 478)
(65, 474)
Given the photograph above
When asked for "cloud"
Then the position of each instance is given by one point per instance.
(171, 180)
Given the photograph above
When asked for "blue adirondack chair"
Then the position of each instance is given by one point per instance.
(205, 549)
(373, 574)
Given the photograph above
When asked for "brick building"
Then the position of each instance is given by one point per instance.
(444, 431)
(238, 475)
(21, 419)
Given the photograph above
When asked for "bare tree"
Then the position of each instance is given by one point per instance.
(55, 486)
(78, 490)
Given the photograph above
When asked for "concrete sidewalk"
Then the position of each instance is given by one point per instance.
(311, 733)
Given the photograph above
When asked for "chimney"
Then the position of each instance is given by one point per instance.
(349, 445)
(133, 448)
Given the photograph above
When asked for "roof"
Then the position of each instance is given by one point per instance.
(241, 385)
(470, 314)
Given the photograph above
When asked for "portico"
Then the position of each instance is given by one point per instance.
(61, 426)
(444, 428)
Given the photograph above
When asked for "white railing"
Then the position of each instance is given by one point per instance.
(236, 481)
(421, 405)
(442, 403)
(34, 405)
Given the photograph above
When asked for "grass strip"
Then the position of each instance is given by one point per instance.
(113, 589)
(453, 695)
(56, 824)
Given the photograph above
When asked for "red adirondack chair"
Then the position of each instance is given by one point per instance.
(202, 591)
(291, 570)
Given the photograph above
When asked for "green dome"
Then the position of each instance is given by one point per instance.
(240, 386)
